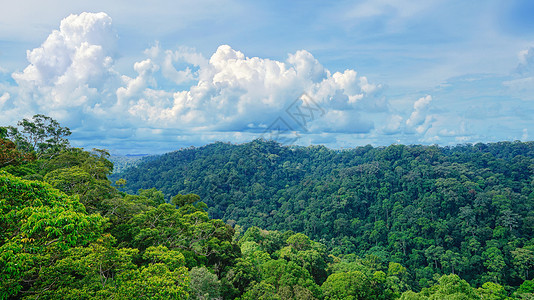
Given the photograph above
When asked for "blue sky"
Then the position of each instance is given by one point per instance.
(151, 77)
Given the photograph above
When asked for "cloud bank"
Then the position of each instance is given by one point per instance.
(180, 97)
(71, 76)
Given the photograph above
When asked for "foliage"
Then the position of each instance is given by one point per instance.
(123, 162)
(9, 155)
(408, 222)
(204, 284)
(41, 134)
(448, 287)
(526, 290)
(466, 210)
(38, 225)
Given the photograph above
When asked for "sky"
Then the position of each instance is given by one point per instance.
(155, 76)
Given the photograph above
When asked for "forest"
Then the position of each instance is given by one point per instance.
(264, 221)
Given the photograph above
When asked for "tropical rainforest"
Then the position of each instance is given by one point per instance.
(264, 221)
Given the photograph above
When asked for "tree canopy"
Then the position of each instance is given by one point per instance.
(262, 221)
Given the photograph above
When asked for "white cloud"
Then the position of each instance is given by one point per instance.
(424, 126)
(235, 92)
(79, 49)
(72, 69)
(71, 77)
(418, 117)
(180, 96)
(3, 99)
(526, 62)
(182, 56)
(522, 85)
(394, 125)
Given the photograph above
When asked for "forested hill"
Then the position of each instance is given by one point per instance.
(466, 210)
(395, 223)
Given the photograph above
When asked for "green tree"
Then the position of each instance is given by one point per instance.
(525, 290)
(494, 261)
(38, 224)
(41, 134)
(492, 291)
(449, 287)
(204, 284)
(77, 181)
(201, 239)
(261, 291)
(308, 254)
(243, 273)
(523, 260)
(347, 285)
(181, 200)
(289, 279)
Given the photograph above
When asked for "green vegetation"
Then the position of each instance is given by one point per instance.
(401, 222)
(123, 162)
(465, 210)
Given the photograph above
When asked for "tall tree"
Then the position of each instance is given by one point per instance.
(41, 134)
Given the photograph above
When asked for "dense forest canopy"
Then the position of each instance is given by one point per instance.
(464, 210)
(261, 221)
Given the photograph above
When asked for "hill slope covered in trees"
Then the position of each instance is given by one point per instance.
(67, 233)
(465, 210)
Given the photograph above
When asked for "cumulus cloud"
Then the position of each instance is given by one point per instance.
(180, 95)
(170, 62)
(72, 69)
(234, 92)
(79, 51)
(419, 121)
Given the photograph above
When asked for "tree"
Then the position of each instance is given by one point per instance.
(299, 242)
(492, 291)
(243, 273)
(289, 279)
(494, 261)
(101, 271)
(261, 291)
(526, 290)
(78, 172)
(50, 248)
(189, 229)
(350, 286)
(308, 254)
(523, 259)
(39, 223)
(153, 196)
(181, 200)
(76, 181)
(435, 210)
(449, 287)
(10, 155)
(204, 284)
(41, 134)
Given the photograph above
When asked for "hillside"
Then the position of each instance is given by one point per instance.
(402, 222)
(123, 162)
(466, 210)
